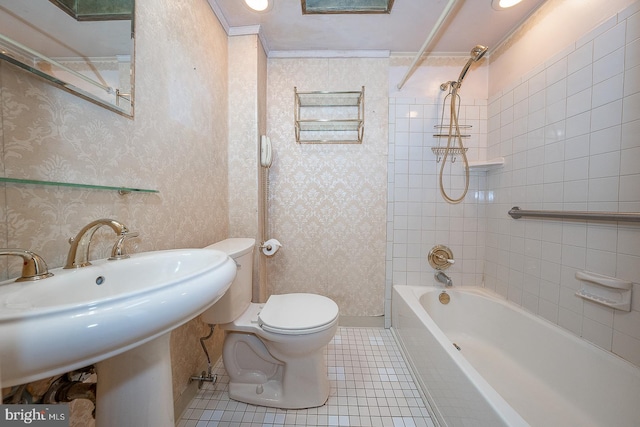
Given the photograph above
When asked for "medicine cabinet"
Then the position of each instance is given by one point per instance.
(329, 117)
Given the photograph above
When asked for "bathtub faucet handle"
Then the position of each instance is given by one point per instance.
(440, 257)
(445, 259)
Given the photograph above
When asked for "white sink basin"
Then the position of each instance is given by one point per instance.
(83, 316)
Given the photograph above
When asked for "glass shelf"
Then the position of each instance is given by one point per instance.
(121, 190)
(329, 125)
(329, 117)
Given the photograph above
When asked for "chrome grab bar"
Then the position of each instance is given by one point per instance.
(517, 213)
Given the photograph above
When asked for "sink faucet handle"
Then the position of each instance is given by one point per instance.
(118, 252)
(33, 266)
(79, 250)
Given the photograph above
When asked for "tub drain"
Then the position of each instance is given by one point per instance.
(444, 298)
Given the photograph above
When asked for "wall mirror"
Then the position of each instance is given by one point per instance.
(84, 46)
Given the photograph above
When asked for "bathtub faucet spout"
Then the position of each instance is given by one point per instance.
(443, 278)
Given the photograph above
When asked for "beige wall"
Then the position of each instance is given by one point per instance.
(328, 202)
(247, 121)
(176, 144)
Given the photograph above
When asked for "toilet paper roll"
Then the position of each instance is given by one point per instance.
(270, 247)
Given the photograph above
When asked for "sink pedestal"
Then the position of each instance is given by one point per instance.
(135, 387)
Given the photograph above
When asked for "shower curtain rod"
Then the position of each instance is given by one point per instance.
(517, 213)
(436, 28)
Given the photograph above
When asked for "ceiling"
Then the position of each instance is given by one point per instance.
(285, 29)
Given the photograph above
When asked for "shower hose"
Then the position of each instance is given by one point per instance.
(451, 140)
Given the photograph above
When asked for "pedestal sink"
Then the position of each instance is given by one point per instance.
(117, 314)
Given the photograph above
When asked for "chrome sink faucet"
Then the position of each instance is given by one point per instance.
(443, 278)
(79, 250)
(33, 266)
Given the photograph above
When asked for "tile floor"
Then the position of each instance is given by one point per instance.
(370, 386)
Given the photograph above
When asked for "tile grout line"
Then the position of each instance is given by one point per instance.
(371, 385)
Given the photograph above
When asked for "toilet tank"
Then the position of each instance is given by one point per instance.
(238, 297)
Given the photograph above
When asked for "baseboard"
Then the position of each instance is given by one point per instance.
(362, 321)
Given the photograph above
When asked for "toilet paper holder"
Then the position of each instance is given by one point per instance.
(270, 247)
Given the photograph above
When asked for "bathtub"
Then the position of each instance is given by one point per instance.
(482, 361)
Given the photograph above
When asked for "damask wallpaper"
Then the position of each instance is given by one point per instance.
(328, 201)
(177, 144)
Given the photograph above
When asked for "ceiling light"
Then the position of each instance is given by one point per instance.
(503, 4)
(257, 5)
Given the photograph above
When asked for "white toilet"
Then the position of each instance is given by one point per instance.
(273, 352)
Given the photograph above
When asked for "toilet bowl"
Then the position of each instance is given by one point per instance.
(273, 352)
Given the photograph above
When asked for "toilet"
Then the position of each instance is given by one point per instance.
(273, 352)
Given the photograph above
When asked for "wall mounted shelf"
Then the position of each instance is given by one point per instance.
(121, 190)
(486, 165)
(329, 117)
(605, 290)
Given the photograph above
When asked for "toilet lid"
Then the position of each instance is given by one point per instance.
(297, 313)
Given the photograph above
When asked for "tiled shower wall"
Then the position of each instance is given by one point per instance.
(570, 133)
(418, 217)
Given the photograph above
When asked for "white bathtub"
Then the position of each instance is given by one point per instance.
(512, 369)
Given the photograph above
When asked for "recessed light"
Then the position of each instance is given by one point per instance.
(257, 5)
(503, 4)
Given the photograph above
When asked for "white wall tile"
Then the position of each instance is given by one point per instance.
(632, 81)
(591, 161)
(580, 58)
(605, 140)
(580, 80)
(599, 334)
(632, 55)
(604, 190)
(608, 66)
(627, 347)
(606, 116)
(609, 41)
(556, 72)
(631, 107)
(603, 165)
(633, 27)
(607, 91)
(579, 102)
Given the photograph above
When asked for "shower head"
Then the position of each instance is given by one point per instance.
(476, 54)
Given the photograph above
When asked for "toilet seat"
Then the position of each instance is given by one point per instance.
(297, 314)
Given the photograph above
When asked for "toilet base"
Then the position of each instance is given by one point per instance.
(273, 379)
(270, 394)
